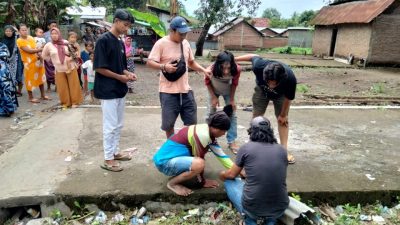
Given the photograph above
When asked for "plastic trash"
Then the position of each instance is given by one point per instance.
(118, 218)
(194, 212)
(339, 209)
(142, 211)
(89, 220)
(101, 217)
(370, 177)
(365, 218)
(378, 219)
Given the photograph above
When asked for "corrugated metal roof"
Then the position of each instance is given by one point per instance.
(298, 209)
(231, 24)
(351, 12)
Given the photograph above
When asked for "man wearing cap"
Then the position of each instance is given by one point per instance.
(276, 82)
(262, 198)
(110, 86)
(176, 97)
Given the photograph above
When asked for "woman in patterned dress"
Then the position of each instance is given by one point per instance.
(33, 70)
(8, 97)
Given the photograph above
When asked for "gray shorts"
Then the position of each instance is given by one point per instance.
(260, 102)
(174, 104)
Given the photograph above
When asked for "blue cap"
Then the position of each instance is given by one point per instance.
(179, 23)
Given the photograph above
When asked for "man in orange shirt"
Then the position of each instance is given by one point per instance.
(176, 97)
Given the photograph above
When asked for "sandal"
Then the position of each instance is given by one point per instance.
(233, 147)
(122, 157)
(46, 98)
(291, 159)
(34, 100)
(112, 168)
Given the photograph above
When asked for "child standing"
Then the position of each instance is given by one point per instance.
(223, 83)
(88, 49)
(89, 75)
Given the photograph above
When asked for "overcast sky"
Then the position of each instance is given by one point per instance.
(285, 7)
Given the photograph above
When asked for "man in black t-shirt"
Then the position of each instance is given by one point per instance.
(263, 195)
(276, 82)
(110, 86)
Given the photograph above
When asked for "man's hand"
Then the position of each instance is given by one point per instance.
(132, 76)
(214, 102)
(124, 78)
(207, 73)
(283, 120)
(233, 104)
(211, 184)
(170, 67)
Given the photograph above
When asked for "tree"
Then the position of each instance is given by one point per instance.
(220, 11)
(34, 13)
(306, 16)
(271, 13)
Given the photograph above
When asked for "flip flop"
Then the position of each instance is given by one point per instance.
(112, 168)
(291, 159)
(34, 100)
(46, 98)
(123, 157)
(233, 149)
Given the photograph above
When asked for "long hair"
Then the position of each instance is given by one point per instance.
(221, 119)
(222, 58)
(261, 131)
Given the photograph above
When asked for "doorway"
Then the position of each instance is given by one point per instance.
(333, 41)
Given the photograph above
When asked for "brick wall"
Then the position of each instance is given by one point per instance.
(322, 40)
(385, 44)
(273, 42)
(267, 32)
(353, 39)
(242, 37)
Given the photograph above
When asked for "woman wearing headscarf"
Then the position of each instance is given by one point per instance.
(15, 65)
(33, 69)
(130, 52)
(67, 82)
(8, 97)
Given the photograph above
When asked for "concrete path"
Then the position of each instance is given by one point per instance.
(342, 155)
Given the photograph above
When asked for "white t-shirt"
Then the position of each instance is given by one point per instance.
(88, 65)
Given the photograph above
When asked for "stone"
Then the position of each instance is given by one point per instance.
(42, 221)
(92, 208)
(61, 206)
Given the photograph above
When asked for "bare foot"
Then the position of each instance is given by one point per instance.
(179, 189)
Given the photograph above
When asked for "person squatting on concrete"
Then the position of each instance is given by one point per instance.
(110, 86)
(172, 55)
(275, 81)
(182, 156)
(223, 83)
(262, 197)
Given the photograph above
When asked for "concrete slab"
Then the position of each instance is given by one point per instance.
(335, 149)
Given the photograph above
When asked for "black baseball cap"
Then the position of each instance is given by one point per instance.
(124, 15)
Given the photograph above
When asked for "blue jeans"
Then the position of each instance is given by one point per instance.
(176, 166)
(232, 132)
(234, 190)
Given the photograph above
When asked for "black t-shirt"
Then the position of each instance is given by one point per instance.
(264, 191)
(286, 87)
(109, 53)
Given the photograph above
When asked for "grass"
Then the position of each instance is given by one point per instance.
(378, 88)
(302, 88)
(288, 50)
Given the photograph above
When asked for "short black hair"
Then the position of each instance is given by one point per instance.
(274, 71)
(223, 57)
(124, 15)
(89, 43)
(49, 22)
(22, 25)
(221, 119)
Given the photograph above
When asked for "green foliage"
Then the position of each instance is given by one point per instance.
(378, 88)
(56, 214)
(292, 50)
(302, 88)
(150, 18)
(297, 197)
(271, 13)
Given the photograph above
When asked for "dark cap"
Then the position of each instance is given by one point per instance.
(179, 23)
(124, 15)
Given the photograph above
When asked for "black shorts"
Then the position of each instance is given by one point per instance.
(174, 104)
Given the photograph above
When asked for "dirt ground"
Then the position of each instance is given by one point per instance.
(321, 86)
